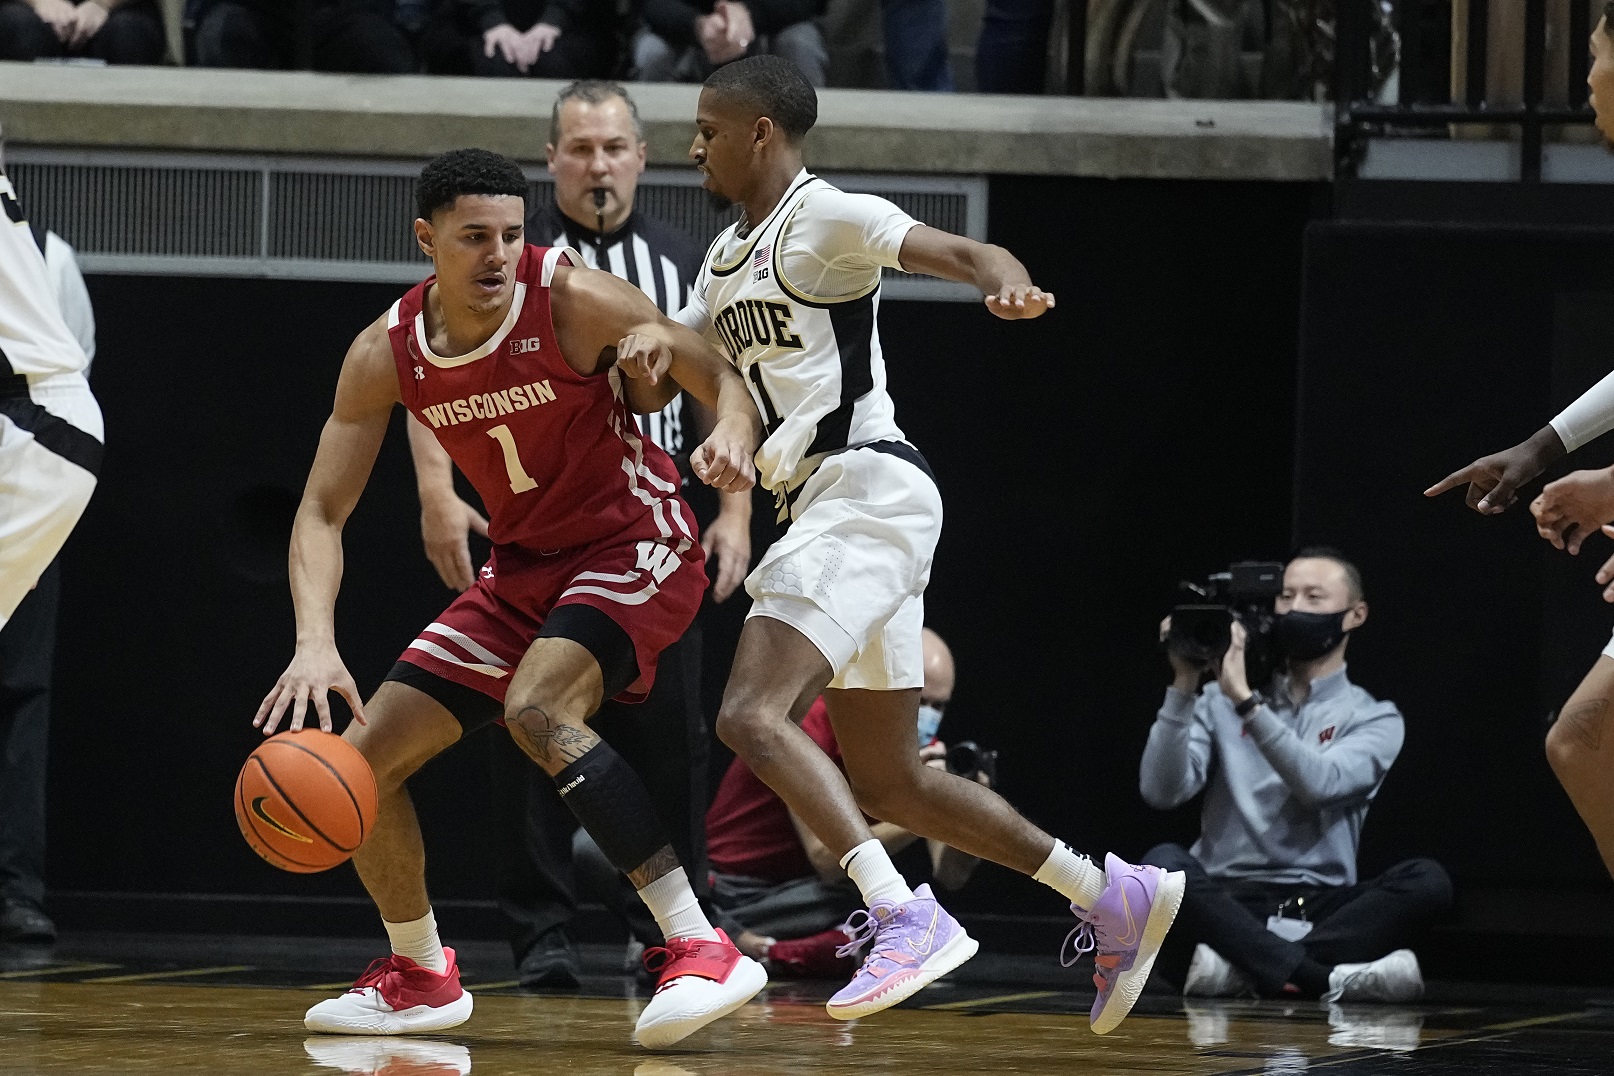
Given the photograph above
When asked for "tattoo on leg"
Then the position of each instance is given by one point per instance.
(659, 865)
(1584, 722)
(545, 738)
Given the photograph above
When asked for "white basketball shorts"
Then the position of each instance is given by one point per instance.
(851, 571)
(50, 452)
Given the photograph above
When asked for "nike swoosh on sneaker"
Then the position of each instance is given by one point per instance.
(1128, 937)
(930, 935)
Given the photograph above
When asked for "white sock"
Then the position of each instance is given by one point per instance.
(677, 912)
(870, 867)
(1077, 877)
(418, 941)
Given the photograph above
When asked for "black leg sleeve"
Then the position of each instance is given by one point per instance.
(1381, 915)
(27, 650)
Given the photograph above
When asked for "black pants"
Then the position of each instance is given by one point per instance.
(665, 740)
(1354, 923)
(453, 46)
(27, 646)
(357, 36)
(133, 34)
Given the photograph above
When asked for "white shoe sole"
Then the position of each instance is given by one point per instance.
(405, 1022)
(744, 983)
(1129, 984)
(944, 960)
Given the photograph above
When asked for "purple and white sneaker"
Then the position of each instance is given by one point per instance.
(1124, 931)
(912, 945)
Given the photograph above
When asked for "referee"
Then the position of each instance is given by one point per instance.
(596, 153)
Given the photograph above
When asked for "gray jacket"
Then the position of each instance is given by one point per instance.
(1286, 796)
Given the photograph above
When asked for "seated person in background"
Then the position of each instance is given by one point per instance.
(1273, 903)
(566, 39)
(686, 40)
(776, 890)
(117, 31)
(375, 37)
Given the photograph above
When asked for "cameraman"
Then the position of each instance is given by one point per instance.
(1273, 903)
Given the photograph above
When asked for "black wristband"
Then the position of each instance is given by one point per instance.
(1247, 707)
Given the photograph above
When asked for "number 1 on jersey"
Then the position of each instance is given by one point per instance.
(520, 480)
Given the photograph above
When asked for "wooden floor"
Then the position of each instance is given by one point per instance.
(78, 1015)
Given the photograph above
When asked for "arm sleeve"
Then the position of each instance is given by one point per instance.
(1349, 769)
(1177, 757)
(672, 20)
(1589, 417)
(71, 294)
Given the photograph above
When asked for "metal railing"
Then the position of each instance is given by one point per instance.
(1425, 109)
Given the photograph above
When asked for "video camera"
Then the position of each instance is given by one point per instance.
(1202, 630)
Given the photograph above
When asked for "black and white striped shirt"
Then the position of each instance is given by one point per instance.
(654, 257)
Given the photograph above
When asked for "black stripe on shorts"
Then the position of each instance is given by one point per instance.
(54, 433)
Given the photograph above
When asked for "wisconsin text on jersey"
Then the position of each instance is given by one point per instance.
(751, 323)
(489, 404)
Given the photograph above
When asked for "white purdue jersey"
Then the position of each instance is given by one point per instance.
(793, 304)
(34, 339)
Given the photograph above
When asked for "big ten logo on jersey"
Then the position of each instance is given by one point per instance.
(658, 559)
(525, 346)
(752, 323)
(489, 404)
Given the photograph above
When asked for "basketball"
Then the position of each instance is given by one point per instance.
(305, 800)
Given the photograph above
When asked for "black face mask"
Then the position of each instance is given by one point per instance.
(1307, 636)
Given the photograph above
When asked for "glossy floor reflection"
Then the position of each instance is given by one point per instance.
(71, 1013)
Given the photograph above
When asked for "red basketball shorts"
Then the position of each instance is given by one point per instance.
(650, 588)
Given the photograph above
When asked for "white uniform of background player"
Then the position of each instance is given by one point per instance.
(794, 306)
(50, 424)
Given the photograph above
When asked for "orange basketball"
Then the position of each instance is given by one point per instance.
(305, 800)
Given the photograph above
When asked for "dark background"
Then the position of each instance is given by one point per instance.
(1142, 434)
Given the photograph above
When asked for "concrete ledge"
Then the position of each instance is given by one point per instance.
(417, 116)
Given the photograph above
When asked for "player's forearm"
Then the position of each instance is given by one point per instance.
(994, 269)
(735, 507)
(316, 574)
(434, 470)
(735, 406)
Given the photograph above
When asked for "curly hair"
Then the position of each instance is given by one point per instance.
(466, 171)
(774, 87)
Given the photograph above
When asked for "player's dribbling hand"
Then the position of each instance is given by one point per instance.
(312, 675)
(723, 460)
(643, 356)
(1574, 507)
(1017, 302)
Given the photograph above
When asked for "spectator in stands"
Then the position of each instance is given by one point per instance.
(116, 31)
(569, 39)
(1011, 55)
(776, 889)
(916, 55)
(1273, 904)
(361, 36)
(686, 40)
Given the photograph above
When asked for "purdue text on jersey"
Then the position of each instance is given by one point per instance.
(756, 323)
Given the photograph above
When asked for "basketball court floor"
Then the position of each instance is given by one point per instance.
(189, 1004)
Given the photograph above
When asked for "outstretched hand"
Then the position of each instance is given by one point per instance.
(1016, 302)
(1574, 507)
(1493, 481)
(310, 678)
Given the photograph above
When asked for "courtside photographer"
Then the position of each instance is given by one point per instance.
(1263, 719)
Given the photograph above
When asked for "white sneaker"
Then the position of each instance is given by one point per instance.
(700, 981)
(368, 1055)
(1210, 975)
(395, 996)
(1393, 978)
(1374, 1027)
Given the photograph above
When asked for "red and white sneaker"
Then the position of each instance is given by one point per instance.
(395, 996)
(699, 981)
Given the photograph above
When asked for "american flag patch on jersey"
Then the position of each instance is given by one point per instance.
(762, 255)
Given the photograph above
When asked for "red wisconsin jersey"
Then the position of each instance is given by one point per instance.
(555, 455)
